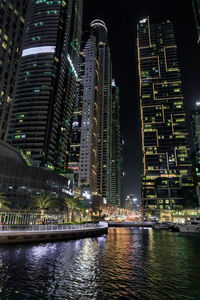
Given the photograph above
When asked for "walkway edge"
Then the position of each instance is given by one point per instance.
(50, 235)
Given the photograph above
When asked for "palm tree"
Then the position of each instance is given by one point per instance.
(72, 204)
(82, 207)
(43, 202)
(4, 202)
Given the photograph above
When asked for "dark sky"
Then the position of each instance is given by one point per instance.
(121, 17)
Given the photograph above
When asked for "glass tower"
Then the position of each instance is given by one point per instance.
(116, 193)
(84, 147)
(43, 106)
(166, 163)
(12, 22)
(105, 110)
(196, 140)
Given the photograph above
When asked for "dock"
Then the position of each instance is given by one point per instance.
(130, 224)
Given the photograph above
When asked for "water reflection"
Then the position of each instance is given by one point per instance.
(128, 263)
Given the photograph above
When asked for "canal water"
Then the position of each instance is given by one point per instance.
(128, 263)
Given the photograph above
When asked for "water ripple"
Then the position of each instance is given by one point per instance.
(127, 263)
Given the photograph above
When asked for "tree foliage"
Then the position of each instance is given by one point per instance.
(44, 201)
(4, 202)
(71, 203)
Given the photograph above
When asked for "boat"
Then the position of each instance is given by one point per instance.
(161, 225)
(193, 226)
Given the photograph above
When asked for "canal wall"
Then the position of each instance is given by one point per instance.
(8, 237)
(130, 224)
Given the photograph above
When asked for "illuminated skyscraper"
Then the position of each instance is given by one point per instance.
(196, 140)
(105, 110)
(166, 164)
(84, 147)
(43, 106)
(116, 193)
(12, 22)
(196, 8)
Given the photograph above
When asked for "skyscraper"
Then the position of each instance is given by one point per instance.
(196, 141)
(105, 110)
(12, 22)
(116, 193)
(196, 8)
(43, 106)
(166, 162)
(84, 147)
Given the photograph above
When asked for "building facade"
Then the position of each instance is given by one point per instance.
(166, 175)
(12, 27)
(116, 192)
(196, 8)
(42, 110)
(196, 143)
(20, 182)
(105, 110)
(84, 147)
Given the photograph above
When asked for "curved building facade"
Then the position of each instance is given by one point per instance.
(42, 110)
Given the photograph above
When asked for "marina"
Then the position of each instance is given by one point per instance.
(127, 263)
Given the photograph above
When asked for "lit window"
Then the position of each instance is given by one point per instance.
(38, 50)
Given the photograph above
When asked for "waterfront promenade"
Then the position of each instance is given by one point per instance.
(34, 233)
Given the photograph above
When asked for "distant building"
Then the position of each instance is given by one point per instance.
(127, 203)
(131, 202)
(85, 126)
(105, 110)
(116, 186)
(196, 8)
(166, 175)
(43, 106)
(12, 27)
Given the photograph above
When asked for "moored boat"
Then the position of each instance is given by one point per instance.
(193, 226)
(161, 225)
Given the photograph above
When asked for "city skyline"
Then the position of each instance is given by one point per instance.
(122, 37)
(99, 149)
(46, 140)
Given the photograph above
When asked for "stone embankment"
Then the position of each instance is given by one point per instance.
(41, 233)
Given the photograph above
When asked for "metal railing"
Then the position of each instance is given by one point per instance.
(32, 228)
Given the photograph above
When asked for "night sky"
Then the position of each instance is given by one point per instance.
(121, 18)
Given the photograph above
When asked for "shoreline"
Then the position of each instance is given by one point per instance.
(8, 237)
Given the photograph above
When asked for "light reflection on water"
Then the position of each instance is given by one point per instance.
(128, 263)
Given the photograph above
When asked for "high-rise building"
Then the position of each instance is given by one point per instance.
(131, 202)
(43, 106)
(84, 147)
(105, 110)
(12, 22)
(196, 8)
(116, 193)
(77, 122)
(196, 141)
(166, 177)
